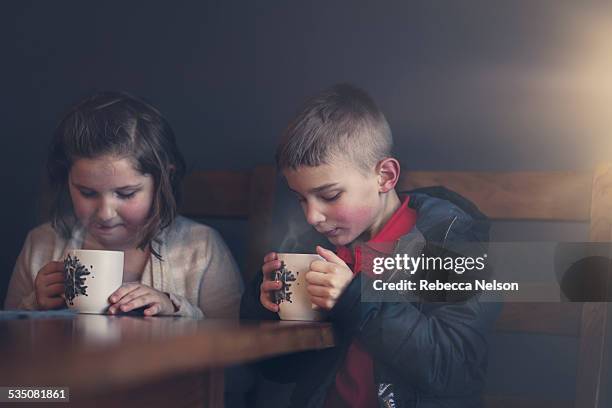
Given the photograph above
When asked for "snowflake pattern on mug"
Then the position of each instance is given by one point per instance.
(75, 275)
(386, 395)
(286, 277)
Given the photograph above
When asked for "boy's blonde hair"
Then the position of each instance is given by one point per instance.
(342, 122)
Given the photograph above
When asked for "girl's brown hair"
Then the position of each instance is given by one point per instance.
(119, 124)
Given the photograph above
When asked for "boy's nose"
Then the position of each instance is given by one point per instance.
(314, 216)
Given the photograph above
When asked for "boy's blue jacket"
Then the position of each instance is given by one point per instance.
(426, 354)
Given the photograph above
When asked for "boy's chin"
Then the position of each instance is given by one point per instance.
(340, 240)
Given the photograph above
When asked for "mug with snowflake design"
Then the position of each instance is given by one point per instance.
(90, 277)
(293, 298)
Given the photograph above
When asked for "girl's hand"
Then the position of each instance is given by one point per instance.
(269, 286)
(49, 286)
(327, 279)
(133, 295)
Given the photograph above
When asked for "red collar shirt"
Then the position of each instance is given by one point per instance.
(354, 386)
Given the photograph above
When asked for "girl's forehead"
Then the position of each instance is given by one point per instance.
(104, 170)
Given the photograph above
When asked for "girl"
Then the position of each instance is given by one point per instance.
(116, 172)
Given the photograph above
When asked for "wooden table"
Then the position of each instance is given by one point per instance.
(158, 361)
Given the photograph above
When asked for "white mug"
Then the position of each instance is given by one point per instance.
(293, 298)
(90, 277)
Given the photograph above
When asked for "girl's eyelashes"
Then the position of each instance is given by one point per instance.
(126, 196)
(122, 195)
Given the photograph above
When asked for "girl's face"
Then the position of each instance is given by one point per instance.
(111, 199)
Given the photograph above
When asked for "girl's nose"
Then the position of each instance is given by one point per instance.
(106, 210)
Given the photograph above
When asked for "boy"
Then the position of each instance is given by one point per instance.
(336, 157)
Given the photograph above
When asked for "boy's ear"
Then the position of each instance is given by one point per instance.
(388, 174)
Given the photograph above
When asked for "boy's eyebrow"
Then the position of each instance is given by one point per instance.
(323, 187)
(318, 189)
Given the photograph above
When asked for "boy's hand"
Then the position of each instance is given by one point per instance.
(269, 286)
(327, 279)
(134, 295)
(49, 286)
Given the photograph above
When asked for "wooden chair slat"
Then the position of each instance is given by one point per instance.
(544, 318)
(563, 196)
(240, 195)
(216, 194)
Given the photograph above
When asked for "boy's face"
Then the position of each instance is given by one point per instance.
(338, 200)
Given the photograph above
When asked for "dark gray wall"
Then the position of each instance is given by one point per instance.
(465, 85)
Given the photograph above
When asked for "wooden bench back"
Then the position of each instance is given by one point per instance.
(553, 196)
(236, 195)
